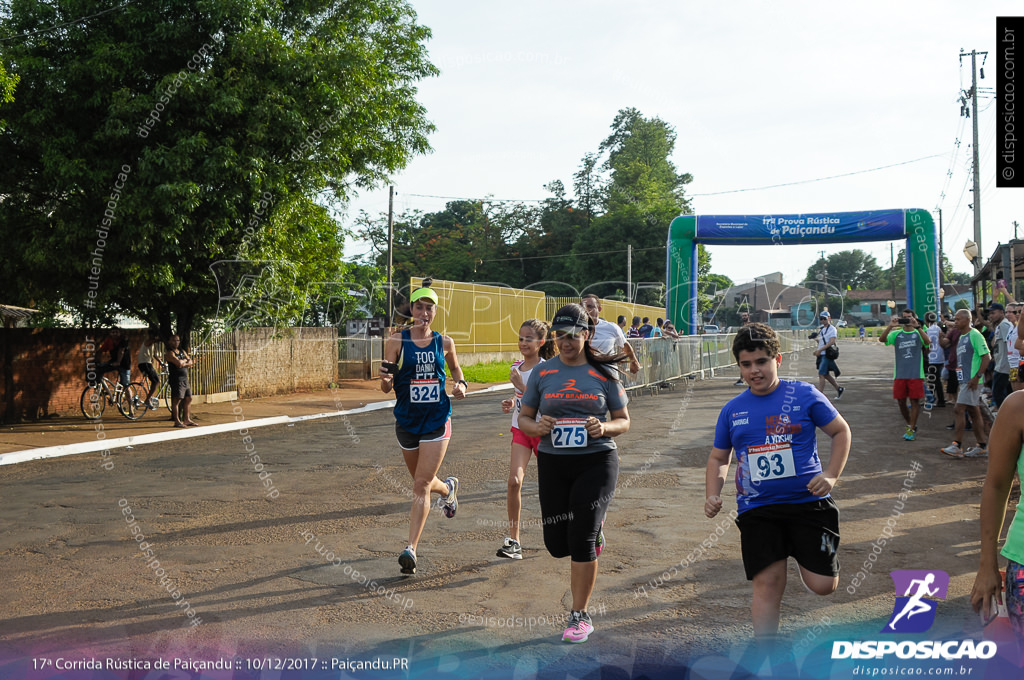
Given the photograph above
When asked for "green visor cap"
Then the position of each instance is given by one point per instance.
(421, 293)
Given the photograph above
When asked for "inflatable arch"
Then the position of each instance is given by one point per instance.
(685, 232)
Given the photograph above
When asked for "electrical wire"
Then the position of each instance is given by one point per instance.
(819, 179)
(66, 23)
(596, 252)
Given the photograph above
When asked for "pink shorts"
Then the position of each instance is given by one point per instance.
(519, 437)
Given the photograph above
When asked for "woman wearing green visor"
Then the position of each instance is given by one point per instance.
(413, 367)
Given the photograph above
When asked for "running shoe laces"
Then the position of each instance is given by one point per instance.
(579, 629)
(976, 452)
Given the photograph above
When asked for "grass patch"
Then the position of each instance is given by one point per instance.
(495, 371)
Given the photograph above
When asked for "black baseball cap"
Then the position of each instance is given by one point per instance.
(570, 319)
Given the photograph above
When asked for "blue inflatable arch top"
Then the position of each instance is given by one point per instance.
(686, 231)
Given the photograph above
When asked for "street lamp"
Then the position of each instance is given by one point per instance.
(971, 251)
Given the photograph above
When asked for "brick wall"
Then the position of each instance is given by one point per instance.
(48, 366)
(271, 361)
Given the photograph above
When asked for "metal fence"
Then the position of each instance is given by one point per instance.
(665, 359)
(359, 357)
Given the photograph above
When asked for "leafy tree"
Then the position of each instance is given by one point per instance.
(643, 195)
(7, 84)
(190, 122)
(853, 268)
(467, 241)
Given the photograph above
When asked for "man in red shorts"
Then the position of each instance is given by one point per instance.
(909, 339)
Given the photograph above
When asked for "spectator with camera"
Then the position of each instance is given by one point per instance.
(908, 372)
(827, 353)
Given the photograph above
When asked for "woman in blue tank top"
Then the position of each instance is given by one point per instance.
(413, 367)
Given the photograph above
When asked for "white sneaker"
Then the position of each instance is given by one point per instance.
(975, 452)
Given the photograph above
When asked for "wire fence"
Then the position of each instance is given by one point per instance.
(665, 359)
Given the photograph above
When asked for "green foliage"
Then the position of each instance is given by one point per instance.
(567, 244)
(643, 194)
(853, 268)
(8, 82)
(467, 241)
(211, 132)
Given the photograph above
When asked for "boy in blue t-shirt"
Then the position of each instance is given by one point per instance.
(782, 492)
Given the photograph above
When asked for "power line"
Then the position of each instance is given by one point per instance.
(714, 193)
(489, 199)
(819, 179)
(66, 23)
(596, 252)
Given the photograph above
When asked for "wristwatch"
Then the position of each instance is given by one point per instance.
(463, 383)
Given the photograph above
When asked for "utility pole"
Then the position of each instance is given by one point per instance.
(973, 95)
(629, 272)
(391, 236)
(892, 272)
(1015, 225)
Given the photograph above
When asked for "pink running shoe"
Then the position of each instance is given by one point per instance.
(579, 629)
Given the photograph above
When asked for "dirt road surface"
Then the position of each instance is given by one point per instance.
(270, 574)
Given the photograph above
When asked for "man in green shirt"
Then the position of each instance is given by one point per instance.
(908, 372)
(972, 359)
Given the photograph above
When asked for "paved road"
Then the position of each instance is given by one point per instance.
(250, 558)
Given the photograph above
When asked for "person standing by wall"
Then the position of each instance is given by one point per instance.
(634, 329)
(178, 363)
(608, 338)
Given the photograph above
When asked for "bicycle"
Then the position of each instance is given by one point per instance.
(97, 395)
(162, 393)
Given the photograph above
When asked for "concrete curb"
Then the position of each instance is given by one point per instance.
(103, 444)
